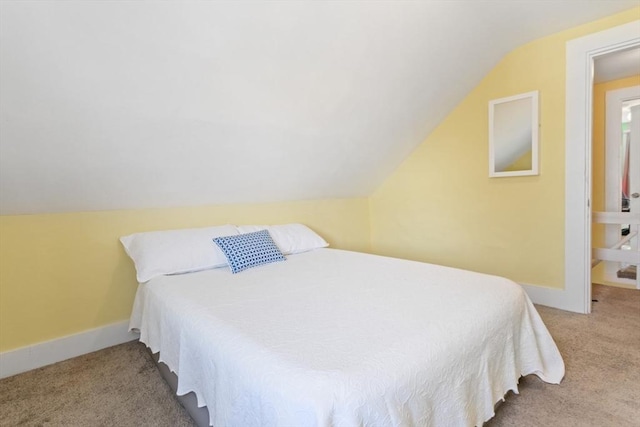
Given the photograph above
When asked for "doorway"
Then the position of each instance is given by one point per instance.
(581, 53)
(622, 186)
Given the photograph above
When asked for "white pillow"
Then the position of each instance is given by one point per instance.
(290, 238)
(157, 253)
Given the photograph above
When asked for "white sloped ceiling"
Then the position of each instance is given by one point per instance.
(133, 104)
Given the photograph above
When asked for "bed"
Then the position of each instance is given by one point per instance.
(339, 338)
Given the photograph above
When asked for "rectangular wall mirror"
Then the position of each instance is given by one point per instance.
(513, 135)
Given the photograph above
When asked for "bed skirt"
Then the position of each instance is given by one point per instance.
(188, 401)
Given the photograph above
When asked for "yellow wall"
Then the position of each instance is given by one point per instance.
(598, 159)
(65, 273)
(440, 206)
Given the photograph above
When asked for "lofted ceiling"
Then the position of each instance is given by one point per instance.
(134, 104)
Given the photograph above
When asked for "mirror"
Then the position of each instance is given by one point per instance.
(513, 135)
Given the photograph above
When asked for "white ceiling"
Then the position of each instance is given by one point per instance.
(131, 104)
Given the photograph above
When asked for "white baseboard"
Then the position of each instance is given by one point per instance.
(552, 297)
(45, 353)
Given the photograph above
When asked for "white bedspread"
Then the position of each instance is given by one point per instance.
(337, 338)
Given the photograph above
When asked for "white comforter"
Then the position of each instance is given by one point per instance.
(337, 338)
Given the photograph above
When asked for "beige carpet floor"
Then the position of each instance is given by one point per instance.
(120, 386)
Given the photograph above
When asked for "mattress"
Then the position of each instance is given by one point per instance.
(338, 338)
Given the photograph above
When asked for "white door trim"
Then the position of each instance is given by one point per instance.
(634, 181)
(580, 55)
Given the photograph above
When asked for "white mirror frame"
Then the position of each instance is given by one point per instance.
(500, 125)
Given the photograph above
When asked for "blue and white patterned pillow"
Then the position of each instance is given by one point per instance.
(249, 250)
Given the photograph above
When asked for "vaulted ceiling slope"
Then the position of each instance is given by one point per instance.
(131, 104)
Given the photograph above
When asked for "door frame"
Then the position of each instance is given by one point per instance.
(580, 56)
